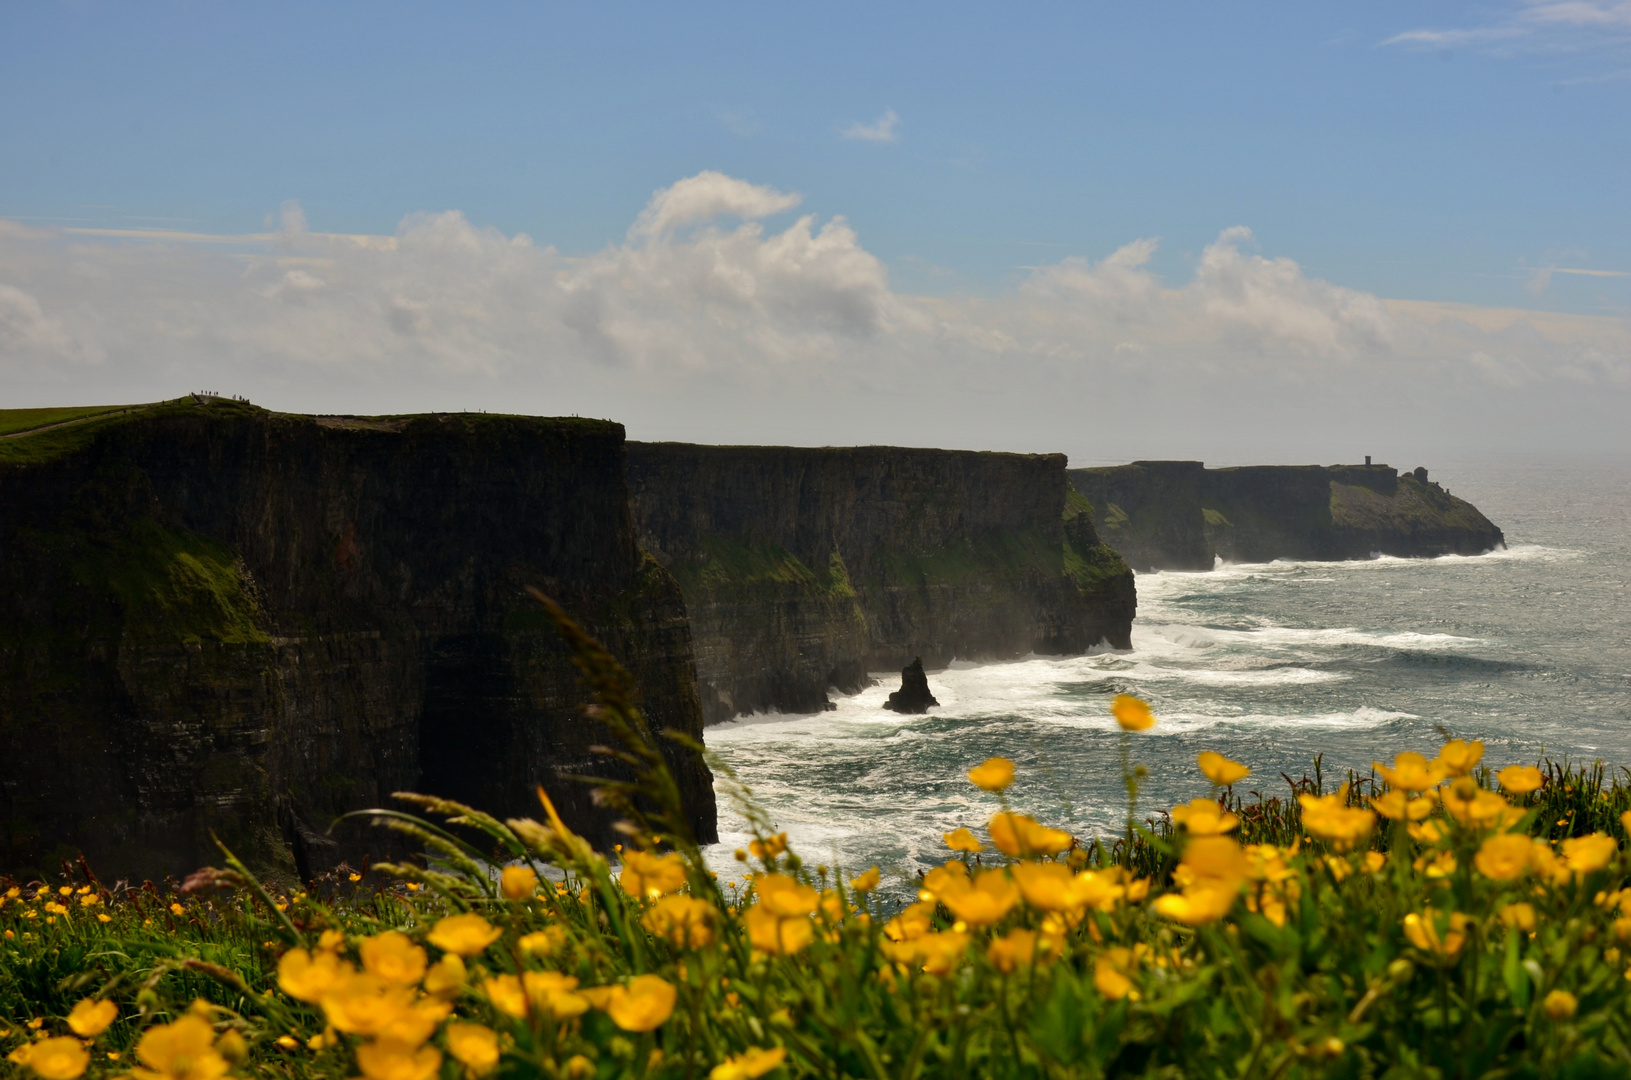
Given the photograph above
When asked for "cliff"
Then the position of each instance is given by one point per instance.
(1180, 515)
(214, 618)
(805, 569)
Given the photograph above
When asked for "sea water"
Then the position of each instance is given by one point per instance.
(1528, 649)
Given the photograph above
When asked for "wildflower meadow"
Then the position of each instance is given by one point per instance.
(1438, 918)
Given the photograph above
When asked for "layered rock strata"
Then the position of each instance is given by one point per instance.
(805, 569)
(1180, 515)
(215, 619)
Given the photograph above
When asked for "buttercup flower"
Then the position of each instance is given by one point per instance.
(1399, 806)
(685, 922)
(1459, 757)
(1559, 1005)
(649, 876)
(61, 1058)
(1520, 779)
(387, 1059)
(748, 1065)
(994, 775)
(365, 1004)
(963, 840)
(1410, 771)
(1503, 857)
(1111, 971)
(307, 977)
(867, 881)
(1422, 932)
(1220, 770)
(468, 935)
(1131, 713)
(1020, 835)
(769, 847)
(1204, 817)
(1519, 916)
(393, 956)
(1585, 854)
(642, 1005)
(1332, 820)
(1017, 949)
(89, 1018)
(473, 1046)
(982, 900)
(518, 882)
(183, 1050)
(1047, 886)
(446, 976)
(1210, 872)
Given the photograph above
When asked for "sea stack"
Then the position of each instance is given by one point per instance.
(913, 695)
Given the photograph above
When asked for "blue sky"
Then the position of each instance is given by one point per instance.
(1439, 153)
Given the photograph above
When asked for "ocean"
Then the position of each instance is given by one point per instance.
(1528, 649)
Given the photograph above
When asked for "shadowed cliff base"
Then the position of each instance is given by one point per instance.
(1180, 515)
(805, 569)
(219, 619)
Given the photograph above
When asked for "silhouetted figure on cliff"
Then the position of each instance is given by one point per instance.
(913, 695)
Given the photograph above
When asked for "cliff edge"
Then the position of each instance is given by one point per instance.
(215, 618)
(1180, 515)
(805, 569)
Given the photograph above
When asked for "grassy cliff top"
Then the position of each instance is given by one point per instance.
(35, 436)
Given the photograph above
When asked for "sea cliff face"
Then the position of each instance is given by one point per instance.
(1180, 515)
(805, 569)
(214, 618)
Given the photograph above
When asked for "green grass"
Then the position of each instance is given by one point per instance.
(13, 421)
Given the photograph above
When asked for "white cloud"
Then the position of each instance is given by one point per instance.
(705, 324)
(1584, 28)
(881, 130)
(706, 196)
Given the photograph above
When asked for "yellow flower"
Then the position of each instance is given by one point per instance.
(649, 876)
(1423, 932)
(1398, 806)
(1204, 817)
(981, 901)
(776, 935)
(769, 847)
(579, 1067)
(333, 940)
(467, 935)
(1131, 713)
(549, 991)
(89, 1018)
(446, 977)
(1020, 835)
(183, 1050)
(1458, 757)
(685, 922)
(1441, 865)
(393, 956)
(365, 1004)
(1017, 949)
(1559, 1005)
(994, 774)
(305, 977)
(1047, 886)
(387, 1059)
(1545, 863)
(963, 840)
(177, 909)
(1211, 871)
(1503, 857)
(1520, 779)
(90, 901)
(1585, 854)
(910, 924)
(473, 1046)
(867, 881)
(1374, 861)
(1519, 916)
(1625, 821)
(62, 1058)
(517, 882)
(1411, 772)
(642, 1005)
(750, 1064)
(1329, 818)
(1220, 770)
(1472, 805)
(1111, 971)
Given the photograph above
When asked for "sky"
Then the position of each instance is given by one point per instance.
(1237, 232)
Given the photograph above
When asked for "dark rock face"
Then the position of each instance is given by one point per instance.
(1179, 515)
(913, 695)
(217, 618)
(805, 569)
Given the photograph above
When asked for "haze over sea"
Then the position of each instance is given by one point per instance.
(1528, 649)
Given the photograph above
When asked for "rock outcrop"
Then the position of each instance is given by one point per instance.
(1180, 515)
(913, 697)
(805, 569)
(214, 618)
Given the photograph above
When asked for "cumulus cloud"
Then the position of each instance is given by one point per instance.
(881, 130)
(705, 324)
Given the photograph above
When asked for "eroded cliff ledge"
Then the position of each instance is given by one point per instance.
(217, 618)
(1180, 515)
(805, 569)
